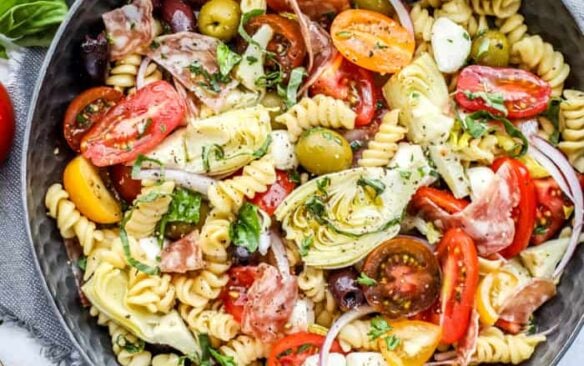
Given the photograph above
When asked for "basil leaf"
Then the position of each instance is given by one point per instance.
(493, 100)
(306, 245)
(391, 342)
(185, 206)
(128, 346)
(263, 150)
(509, 128)
(379, 327)
(296, 77)
(552, 113)
(82, 263)
(215, 150)
(245, 230)
(222, 359)
(366, 280)
(226, 59)
(245, 17)
(137, 166)
(377, 185)
(3, 52)
(475, 127)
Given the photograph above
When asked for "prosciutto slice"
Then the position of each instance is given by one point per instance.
(487, 219)
(467, 346)
(178, 52)
(182, 255)
(129, 28)
(270, 302)
(519, 307)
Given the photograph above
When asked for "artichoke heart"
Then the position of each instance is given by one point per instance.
(218, 145)
(106, 290)
(419, 90)
(337, 219)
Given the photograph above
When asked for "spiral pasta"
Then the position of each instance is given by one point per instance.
(326, 311)
(198, 289)
(459, 11)
(572, 125)
(493, 346)
(497, 8)
(355, 335)
(320, 110)
(150, 205)
(312, 282)
(167, 359)
(128, 349)
(483, 149)
(228, 195)
(154, 293)
(514, 28)
(245, 350)
(215, 323)
(70, 221)
(108, 250)
(123, 75)
(423, 22)
(381, 149)
(536, 55)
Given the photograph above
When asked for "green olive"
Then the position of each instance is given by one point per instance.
(491, 49)
(275, 103)
(177, 229)
(380, 6)
(321, 151)
(220, 19)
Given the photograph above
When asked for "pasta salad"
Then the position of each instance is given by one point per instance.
(299, 183)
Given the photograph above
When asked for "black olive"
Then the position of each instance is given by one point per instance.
(242, 257)
(179, 15)
(345, 288)
(95, 53)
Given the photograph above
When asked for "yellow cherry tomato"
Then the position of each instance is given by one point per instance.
(89, 194)
(410, 343)
(492, 292)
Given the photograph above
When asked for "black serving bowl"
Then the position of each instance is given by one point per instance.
(61, 79)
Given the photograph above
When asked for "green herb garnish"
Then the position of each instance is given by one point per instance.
(365, 280)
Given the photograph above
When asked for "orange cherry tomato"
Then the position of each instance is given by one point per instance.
(372, 40)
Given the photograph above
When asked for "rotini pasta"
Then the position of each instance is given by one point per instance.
(572, 126)
(215, 323)
(493, 346)
(326, 311)
(497, 8)
(150, 205)
(319, 110)
(312, 282)
(167, 359)
(123, 75)
(483, 149)
(154, 293)
(108, 250)
(128, 349)
(355, 336)
(381, 149)
(423, 22)
(514, 28)
(245, 350)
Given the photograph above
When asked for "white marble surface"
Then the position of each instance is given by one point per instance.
(17, 348)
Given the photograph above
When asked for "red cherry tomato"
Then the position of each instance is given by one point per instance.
(128, 188)
(86, 110)
(315, 9)
(6, 123)
(135, 125)
(460, 269)
(549, 212)
(524, 94)
(269, 200)
(524, 214)
(294, 349)
(343, 80)
(443, 199)
(234, 295)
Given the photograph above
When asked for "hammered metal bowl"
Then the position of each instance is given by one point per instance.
(61, 79)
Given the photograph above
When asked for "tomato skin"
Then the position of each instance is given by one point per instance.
(525, 213)
(135, 125)
(128, 188)
(509, 327)
(78, 120)
(293, 342)
(525, 95)
(315, 9)
(443, 199)
(372, 40)
(550, 217)
(240, 280)
(269, 200)
(461, 276)
(351, 83)
(7, 123)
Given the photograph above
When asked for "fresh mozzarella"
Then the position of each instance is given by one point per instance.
(334, 359)
(302, 315)
(282, 150)
(150, 247)
(480, 178)
(449, 166)
(451, 45)
(365, 359)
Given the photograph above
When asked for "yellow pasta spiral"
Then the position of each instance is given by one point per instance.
(215, 323)
(228, 195)
(245, 350)
(423, 22)
(381, 149)
(70, 221)
(154, 293)
(214, 238)
(459, 11)
(355, 335)
(572, 126)
(326, 311)
(152, 204)
(493, 346)
(122, 76)
(497, 8)
(167, 359)
(320, 110)
(127, 356)
(514, 28)
(199, 288)
(312, 282)
(108, 250)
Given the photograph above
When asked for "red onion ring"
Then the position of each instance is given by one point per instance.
(552, 169)
(142, 72)
(195, 182)
(303, 23)
(404, 15)
(336, 328)
(280, 254)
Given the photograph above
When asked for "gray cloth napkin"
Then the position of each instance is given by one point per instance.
(23, 297)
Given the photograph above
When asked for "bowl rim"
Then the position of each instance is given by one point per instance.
(73, 9)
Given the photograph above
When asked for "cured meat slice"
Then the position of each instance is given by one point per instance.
(129, 28)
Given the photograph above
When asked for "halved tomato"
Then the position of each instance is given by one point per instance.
(522, 93)
(409, 343)
(372, 40)
(269, 200)
(549, 216)
(492, 291)
(125, 185)
(234, 294)
(294, 349)
(315, 9)
(135, 125)
(443, 199)
(407, 277)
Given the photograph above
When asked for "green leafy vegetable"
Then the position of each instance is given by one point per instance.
(128, 346)
(291, 94)
(493, 100)
(245, 230)
(3, 53)
(226, 59)
(212, 82)
(391, 342)
(245, 17)
(484, 117)
(323, 184)
(215, 150)
(184, 207)
(82, 263)
(222, 359)
(552, 113)
(379, 327)
(137, 166)
(263, 150)
(476, 128)
(376, 184)
(306, 244)
(366, 280)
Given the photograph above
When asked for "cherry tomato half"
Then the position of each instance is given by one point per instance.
(460, 268)
(372, 40)
(234, 294)
(417, 342)
(121, 177)
(269, 200)
(443, 199)
(549, 212)
(6, 123)
(135, 125)
(351, 83)
(524, 214)
(86, 110)
(524, 94)
(294, 349)
(407, 277)
(315, 9)
(287, 42)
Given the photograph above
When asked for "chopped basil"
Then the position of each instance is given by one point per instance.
(143, 127)
(245, 17)
(484, 117)
(322, 184)
(294, 176)
(154, 45)
(212, 82)
(379, 327)
(216, 151)
(137, 166)
(377, 185)
(366, 280)
(3, 52)
(391, 342)
(222, 359)
(344, 34)
(184, 207)
(245, 230)
(226, 59)
(317, 208)
(128, 346)
(263, 150)
(475, 127)
(552, 113)
(251, 59)
(306, 245)
(296, 77)
(82, 263)
(405, 174)
(493, 100)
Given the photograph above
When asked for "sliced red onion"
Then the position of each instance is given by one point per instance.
(280, 254)
(339, 324)
(142, 72)
(323, 50)
(194, 182)
(403, 14)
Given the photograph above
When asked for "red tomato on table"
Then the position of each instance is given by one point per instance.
(6, 123)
